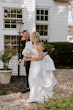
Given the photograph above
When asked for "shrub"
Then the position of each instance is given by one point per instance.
(61, 52)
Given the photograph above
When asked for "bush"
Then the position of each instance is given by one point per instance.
(61, 103)
(61, 52)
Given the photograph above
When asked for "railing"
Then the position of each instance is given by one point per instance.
(12, 1)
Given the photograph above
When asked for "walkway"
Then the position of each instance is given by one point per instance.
(17, 101)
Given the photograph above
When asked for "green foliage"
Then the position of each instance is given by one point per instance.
(63, 1)
(5, 57)
(61, 52)
(61, 103)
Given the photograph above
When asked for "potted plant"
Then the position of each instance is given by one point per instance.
(5, 72)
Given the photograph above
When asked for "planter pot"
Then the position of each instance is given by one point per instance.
(5, 76)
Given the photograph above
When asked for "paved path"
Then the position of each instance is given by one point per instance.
(17, 101)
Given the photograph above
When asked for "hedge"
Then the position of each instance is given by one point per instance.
(61, 53)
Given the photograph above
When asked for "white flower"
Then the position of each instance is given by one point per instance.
(27, 52)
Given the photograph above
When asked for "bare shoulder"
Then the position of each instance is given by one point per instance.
(40, 47)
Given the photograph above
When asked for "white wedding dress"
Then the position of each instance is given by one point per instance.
(41, 79)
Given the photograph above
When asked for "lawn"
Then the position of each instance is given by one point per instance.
(61, 103)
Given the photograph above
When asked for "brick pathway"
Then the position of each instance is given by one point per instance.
(17, 101)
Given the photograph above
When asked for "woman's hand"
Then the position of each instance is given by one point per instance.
(27, 58)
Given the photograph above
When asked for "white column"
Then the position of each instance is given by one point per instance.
(30, 14)
(1, 27)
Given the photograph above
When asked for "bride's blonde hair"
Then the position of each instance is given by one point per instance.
(37, 39)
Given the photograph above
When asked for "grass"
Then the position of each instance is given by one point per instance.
(61, 103)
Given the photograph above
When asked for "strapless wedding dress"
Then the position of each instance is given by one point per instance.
(41, 79)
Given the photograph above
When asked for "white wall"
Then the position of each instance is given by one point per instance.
(58, 14)
(58, 23)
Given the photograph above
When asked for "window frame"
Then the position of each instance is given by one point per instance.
(12, 18)
(10, 44)
(42, 22)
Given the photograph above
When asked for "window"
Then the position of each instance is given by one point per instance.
(42, 21)
(42, 15)
(11, 42)
(11, 16)
(42, 29)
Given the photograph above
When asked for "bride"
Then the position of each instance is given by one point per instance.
(41, 77)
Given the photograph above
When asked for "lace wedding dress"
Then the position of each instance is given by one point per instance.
(41, 79)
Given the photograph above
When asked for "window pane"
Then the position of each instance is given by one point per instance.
(13, 10)
(6, 15)
(38, 18)
(41, 32)
(7, 20)
(13, 15)
(13, 40)
(37, 27)
(46, 18)
(46, 12)
(45, 33)
(42, 17)
(42, 12)
(19, 11)
(7, 48)
(13, 21)
(37, 11)
(45, 27)
(42, 29)
(14, 48)
(13, 26)
(19, 16)
(7, 25)
(7, 10)
(7, 40)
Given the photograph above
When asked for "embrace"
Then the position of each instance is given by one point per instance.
(39, 68)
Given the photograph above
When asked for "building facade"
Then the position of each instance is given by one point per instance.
(70, 23)
(48, 17)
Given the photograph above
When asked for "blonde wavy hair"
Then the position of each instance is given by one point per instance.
(37, 39)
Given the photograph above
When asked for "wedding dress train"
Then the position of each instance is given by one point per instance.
(41, 79)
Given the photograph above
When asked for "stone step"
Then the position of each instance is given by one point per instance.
(9, 98)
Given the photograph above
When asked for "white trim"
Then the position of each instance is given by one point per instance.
(13, 1)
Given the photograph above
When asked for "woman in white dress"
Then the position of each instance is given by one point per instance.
(41, 77)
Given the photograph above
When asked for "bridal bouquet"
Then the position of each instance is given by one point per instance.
(27, 52)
